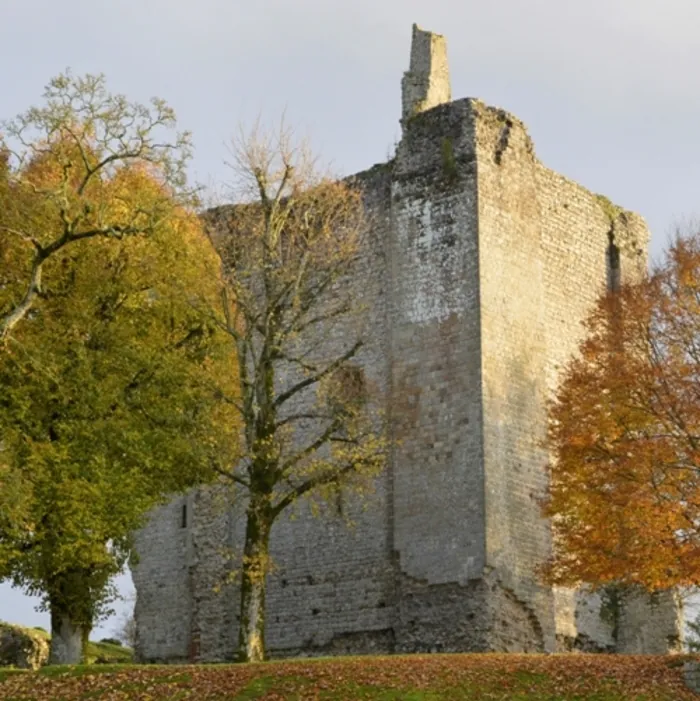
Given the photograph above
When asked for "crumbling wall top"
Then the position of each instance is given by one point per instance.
(426, 84)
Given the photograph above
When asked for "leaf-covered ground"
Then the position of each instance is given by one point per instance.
(399, 678)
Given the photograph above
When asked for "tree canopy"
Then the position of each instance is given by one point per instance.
(110, 382)
(63, 166)
(625, 436)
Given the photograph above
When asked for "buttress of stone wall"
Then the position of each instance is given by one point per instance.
(332, 587)
(436, 387)
(584, 621)
(213, 628)
(513, 359)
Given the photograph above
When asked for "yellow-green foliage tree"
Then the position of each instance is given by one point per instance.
(625, 434)
(309, 423)
(58, 163)
(109, 384)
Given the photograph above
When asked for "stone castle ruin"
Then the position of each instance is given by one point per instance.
(481, 266)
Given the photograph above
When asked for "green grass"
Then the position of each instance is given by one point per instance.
(7, 673)
(108, 653)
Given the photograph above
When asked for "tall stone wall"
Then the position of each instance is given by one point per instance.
(436, 412)
(514, 356)
(332, 586)
(163, 608)
(577, 227)
(332, 589)
(481, 267)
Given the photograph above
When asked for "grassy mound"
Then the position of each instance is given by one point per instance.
(398, 678)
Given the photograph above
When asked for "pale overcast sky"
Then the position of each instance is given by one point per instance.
(610, 89)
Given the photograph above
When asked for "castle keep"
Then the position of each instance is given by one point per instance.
(481, 266)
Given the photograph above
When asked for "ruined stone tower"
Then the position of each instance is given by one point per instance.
(426, 84)
(481, 266)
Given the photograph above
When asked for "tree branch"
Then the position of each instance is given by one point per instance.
(310, 448)
(319, 480)
(23, 235)
(10, 320)
(231, 476)
(299, 417)
(318, 376)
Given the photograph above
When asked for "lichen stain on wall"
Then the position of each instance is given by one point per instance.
(433, 265)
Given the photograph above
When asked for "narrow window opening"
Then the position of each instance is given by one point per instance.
(184, 516)
(613, 264)
(339, 501)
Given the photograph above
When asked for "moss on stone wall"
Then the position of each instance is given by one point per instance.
(611, 210)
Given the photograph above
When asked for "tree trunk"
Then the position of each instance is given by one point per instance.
(251, 639)
(68, 639)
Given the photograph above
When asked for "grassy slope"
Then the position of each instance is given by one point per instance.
(108, 653)
(399, 678)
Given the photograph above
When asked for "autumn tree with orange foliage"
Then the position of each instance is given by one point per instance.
(625, 437)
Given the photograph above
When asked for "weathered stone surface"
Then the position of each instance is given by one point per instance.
(22, 647)
(691, 674)
(481, 266)
(426, 84)
(653, 623)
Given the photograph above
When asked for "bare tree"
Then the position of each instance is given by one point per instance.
(291, 249)
(125, 631)
(61, 164)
